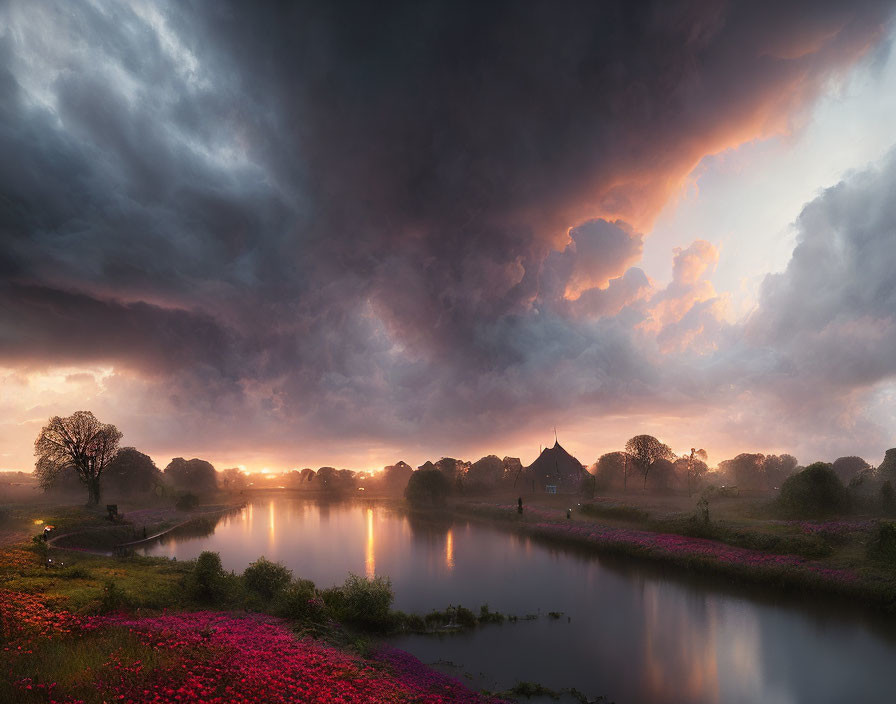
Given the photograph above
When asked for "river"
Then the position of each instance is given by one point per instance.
(629, 630)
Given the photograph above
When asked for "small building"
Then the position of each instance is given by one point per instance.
(554, 472)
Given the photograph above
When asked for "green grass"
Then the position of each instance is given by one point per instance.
(73, 662)
(145, 582)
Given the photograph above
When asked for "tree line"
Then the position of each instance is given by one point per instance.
(79, 451)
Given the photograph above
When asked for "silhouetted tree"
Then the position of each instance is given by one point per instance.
(79, 441)
(427, 486)
(814, 491)
(396, 476)
(193, 475)
(610, 469)
(485, 474)
(645, 450)
(233, 479)
(454, 470)
(335, 482)
(662, 475)
(776, 469)
(691, 468)
(513, 468)
(132, 473)
(886, 470)
(746, 470)
(847, 468)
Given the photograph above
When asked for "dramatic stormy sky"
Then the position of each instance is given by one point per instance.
(351, 233)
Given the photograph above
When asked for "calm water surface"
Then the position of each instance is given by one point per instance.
(630, 631)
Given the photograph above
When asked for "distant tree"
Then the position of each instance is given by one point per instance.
(690, 469)
(513, 468)
(776, 469)
(307, 474)
(395, 477)
(663, 476)
(233, 479)
(886, 470)
(746, 470)
(326, 477)
(335, 482)
(79, 441)
(485, 474)
(813, 492)
(610, 470)
(454, 470)
(347, 480)
(193, 475)
(645, 450)
(847, 468)
(427, 486)
(132, 473)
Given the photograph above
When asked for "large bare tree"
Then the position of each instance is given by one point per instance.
(79, 441)
(645, 450)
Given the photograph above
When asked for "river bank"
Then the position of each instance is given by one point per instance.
(845, 571)
(134, 528)
(88, 627)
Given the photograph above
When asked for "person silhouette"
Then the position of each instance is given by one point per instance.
(519, 505)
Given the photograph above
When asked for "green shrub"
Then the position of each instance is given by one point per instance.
(266, 578)
(436, 618)
(883, 544)
(815, 491)
(206, 581)
(366, 602)
(299, 601)
(186, 501)
(486, 616)
(464, 617)
(414, 623)
(887, 498)
(113, 598)
(427, 487)
(333, 599)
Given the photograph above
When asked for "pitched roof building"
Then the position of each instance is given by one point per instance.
(554, 472)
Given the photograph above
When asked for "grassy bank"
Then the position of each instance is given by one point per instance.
(92, 628)
(833, 557)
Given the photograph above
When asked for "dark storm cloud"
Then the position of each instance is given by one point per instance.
(357, 215)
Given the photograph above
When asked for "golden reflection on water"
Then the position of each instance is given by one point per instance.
(272, 532)
(370, 560)
(680, 654)
(449, 550)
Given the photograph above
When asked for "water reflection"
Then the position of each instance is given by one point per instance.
(449, 550)
(636, 632)
(370, 559)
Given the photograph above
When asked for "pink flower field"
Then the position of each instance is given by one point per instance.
(212, 658)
